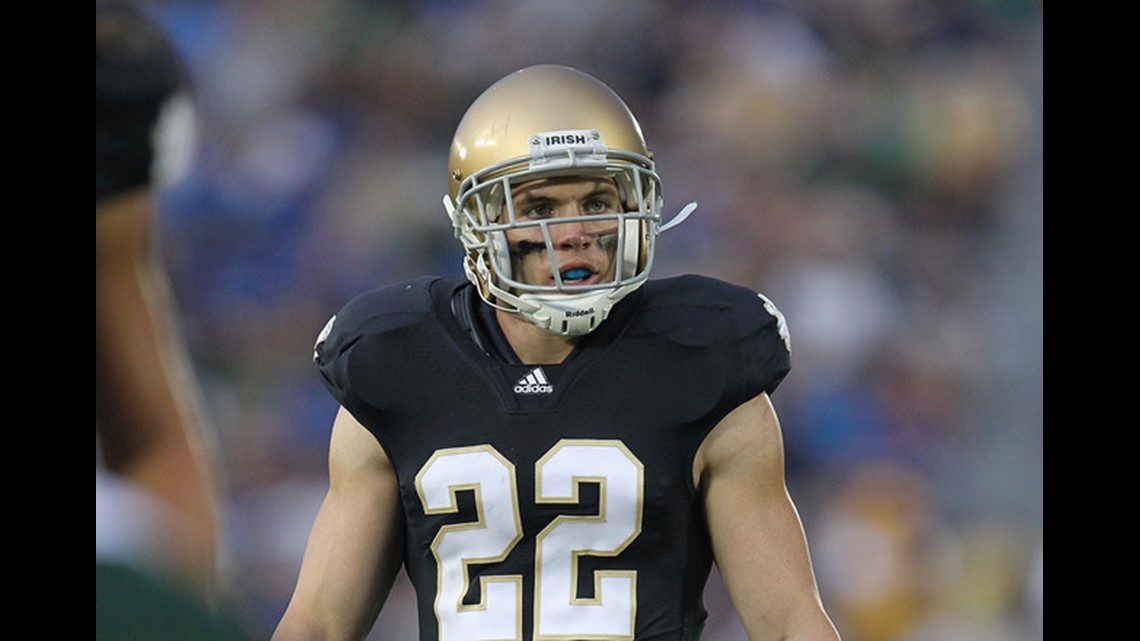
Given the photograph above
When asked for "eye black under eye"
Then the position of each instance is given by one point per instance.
(526, 247)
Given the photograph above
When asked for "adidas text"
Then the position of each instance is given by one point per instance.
(533, 389)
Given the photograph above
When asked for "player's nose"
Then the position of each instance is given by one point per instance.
(571, 235)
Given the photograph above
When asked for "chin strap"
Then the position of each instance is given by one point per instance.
(572, 314)
(679, 218)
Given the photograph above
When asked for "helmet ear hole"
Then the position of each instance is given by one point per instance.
(489, 203)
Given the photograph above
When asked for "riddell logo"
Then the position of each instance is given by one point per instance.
(534, 383)
(575, 313)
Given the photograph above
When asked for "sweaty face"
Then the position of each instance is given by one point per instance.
(583, 249)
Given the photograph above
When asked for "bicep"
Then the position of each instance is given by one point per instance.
(757, 536)
(355, 547)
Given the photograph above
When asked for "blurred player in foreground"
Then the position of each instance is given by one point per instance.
(156, 505)
(556, 447)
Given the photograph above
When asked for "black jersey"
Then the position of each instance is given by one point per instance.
(553, 500)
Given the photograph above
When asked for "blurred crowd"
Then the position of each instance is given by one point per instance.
(873, 166)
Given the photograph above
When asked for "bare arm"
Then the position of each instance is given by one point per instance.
(146, 397)
(356, 546)
(757, 536)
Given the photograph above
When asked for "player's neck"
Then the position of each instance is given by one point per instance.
(532, 345)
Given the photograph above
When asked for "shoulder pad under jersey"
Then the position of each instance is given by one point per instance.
(699, 311)
(370, 314)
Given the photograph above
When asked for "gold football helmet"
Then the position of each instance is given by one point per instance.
(542, 122)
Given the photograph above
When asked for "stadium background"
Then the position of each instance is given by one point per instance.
(874, 166)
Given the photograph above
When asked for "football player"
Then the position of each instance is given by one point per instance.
(156, 501)
(555, 447)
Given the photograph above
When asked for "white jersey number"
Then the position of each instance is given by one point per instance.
(558, 610)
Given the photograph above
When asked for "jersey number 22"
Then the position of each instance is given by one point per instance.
(558, 611)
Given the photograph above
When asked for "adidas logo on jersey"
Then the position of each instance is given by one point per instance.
(534, 383)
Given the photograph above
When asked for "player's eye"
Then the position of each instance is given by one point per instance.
(538, 210)
(601, 204)
(596, 206)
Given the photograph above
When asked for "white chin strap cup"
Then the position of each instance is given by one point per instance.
(567, 315)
